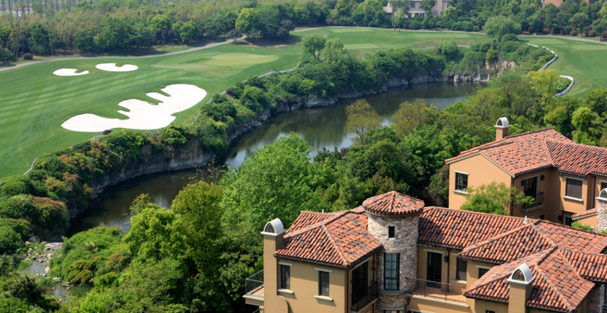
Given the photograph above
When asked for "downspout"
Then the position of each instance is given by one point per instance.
(448, 267)
(348, 283)
(593, 193)
(511, 202)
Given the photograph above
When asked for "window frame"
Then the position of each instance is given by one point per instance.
(458, 269)
(542, 216)
(482, 269)
(459, 183)
(568, 220)
(321, 282)
(392, 280)
(567, 179)
(530, 187)
(285, 283)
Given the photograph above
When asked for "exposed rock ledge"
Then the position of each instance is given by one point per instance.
(193, 155)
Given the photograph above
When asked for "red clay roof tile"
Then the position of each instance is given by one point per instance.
(393, 203)
(583, 214)
(578, 159)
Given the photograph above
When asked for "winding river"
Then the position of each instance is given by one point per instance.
(322, 128)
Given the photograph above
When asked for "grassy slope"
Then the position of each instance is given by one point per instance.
(34, 102)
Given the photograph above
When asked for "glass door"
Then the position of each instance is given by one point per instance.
(434, 271)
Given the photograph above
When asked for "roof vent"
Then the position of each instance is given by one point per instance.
(526, 221)
(521, 275)
(502, 122)
(273, 227)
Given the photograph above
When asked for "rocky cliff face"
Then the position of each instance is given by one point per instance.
(193, 155)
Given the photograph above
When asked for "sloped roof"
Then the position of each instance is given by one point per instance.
(341, 240)
(578, 159)
(457, 229)
(519, 154)
(590, 266)
(584, 214)
(393, 203)
(557, 286)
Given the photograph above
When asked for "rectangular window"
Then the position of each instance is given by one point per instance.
(412, 4)
(323, 284)
(543, 216)
(489, 311)
(285, 277)
(461, 181)
(574, 188)
(462, 269)
(530, 187)
(482, 271)
(391, 266)
(390, 231)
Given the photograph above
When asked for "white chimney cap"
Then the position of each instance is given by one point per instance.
(521, 275)
(602, 195)
(502, 122)
(273, 228)
(526, 220)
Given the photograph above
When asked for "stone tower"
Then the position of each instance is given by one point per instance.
(597, 297)
(393, 220)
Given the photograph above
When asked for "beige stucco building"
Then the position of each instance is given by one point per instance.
(563, 177)
(415, 8)
(393, 255)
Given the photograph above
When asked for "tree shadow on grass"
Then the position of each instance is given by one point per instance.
(272, 42)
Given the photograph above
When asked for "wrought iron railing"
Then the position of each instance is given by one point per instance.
(362, 297)
(539, 200)
(443, 291)
(254, 284)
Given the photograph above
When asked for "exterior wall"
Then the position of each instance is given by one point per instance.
(601, 217)
(481, 172)
(371, 264)
(596, 300)
(555, 2)
(572, 206)
(550, 198)
(473, 268)
(588, 220)
(272, 303)
(304, 288)
(405, 243)
(481, 306)
(419, 304)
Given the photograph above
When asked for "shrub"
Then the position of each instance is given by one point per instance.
(9, 239)
(28, 56)
(15, 185)
(591, 33)
(573, 32)
(509, 37)
(107, 131)
(581, 226)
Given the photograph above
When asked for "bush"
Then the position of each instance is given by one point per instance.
(28, 56)
(509, 37)
(9, 239)
(581, 226)
(591, 33)
(573, 32)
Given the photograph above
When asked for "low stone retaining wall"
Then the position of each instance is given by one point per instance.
(564, 92)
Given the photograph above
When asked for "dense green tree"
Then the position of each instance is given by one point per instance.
(427, 5)
(494, 198)
(248, 20)
(361, 118)
(497, 27)
(313, 45)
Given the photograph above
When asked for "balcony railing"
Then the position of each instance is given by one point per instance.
(254, 285)
(363, 297)
(539, 200)
(443, 291)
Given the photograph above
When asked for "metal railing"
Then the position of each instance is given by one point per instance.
(363, 297)
(539, 200)
(254, 284)
(438, 290)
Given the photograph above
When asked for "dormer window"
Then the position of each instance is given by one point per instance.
(391, 232)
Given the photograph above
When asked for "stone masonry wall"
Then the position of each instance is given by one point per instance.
(596, 300)
(405, 243)
(601, 216)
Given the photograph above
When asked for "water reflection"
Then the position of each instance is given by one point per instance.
(322, 128)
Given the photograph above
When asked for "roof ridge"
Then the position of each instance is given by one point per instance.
(343, 259)
(494, 238)
(317, 224)
(478, 213)
(558, 250)
(543, 233)
(544, 141)
(549, 281)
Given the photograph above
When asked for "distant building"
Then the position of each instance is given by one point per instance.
(416, 9)
(559, 2)
(562, 176)
(393, 255)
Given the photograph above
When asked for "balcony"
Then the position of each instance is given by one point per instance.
(539, 200)
(361, 297)
(441, 291)
(254, 288)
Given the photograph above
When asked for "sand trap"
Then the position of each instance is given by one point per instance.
(142, 115)
(69, 72)
(111, 67)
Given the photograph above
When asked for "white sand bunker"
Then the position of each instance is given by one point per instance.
(111, 67)
(142, 115)
(69, 72)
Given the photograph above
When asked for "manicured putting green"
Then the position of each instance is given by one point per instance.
(34, 102)
(237, 59)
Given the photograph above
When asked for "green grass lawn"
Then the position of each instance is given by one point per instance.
(35, 102)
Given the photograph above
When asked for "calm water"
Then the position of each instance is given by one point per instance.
(322, 128)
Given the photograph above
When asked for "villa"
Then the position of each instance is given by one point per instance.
(395, 255)
(562, 176)
(415, 8)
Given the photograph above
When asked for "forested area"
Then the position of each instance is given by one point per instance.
(47, 27)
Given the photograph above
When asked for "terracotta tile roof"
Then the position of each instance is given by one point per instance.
(340, 241)
(509, 246)
(572, 238)
(590, 266)
(584, 214)
(457, 229)
(306, 219)
(518, 154)
(393, 203)
(531, 238)
(577, 159)
(557, 286)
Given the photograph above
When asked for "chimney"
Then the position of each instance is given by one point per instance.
(520, 289)
(273, 234)
(601, 211)
(501, 128)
